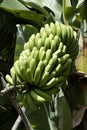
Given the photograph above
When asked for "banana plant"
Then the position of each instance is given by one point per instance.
(19, 20)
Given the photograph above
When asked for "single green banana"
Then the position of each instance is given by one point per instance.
(58, 53)
(55, 72)
(66, 65)
(30, 102)
(53, 82)
(48, 56)
(36, 38)
(64, 50)
(43, 94)
(36, 55)
(13, 74)
(38, 72)
(31, 42)
(42, 55)
(51, 91)
(37, 97)
(23, 64)
(53, 28)
(60, 46)
(69, 34)
(32, 67)
(39, 43)
(29, 75)
(63, 33)
(58, 29)
(37, 76)
(53, 46)
(17, 71)
(51, 37)
(47, 29)
(9, 79)
(63, 59)
(43, 35)
(44, 79)
(47, 43)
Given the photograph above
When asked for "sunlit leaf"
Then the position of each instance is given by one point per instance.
(23, 34)
(19, 10)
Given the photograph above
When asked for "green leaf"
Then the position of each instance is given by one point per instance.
(69, 13)
(35, 7)
(23, 34)
(83, 9)
(38, 119)
(12, 6)
(20, 11)
(64, 114)
(54, 6)
(74, 2)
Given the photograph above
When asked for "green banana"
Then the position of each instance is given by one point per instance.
(66, 65)
(36, 38)
(36, 56)
(23, 64)
(9, 79)
(37, 76)
(13, 74)
(37, 97)
(43, 35)
(44, 79)
(30, 102)
(42, 55)
(38, 72)
(54, 81)
(31, 42)
(47, 29)
(64, 50)
(53, 28)
(43, 94)
(58, 29)
(29, 76)
(48, 56)
(63, 32)
(51, 37)
(47, 43)
(60, 46)
(39, 43)
(17, 71)
(53, 46)
(55, 72)
(32, 67)
(63, 59)
(51, 64)
(51, 91)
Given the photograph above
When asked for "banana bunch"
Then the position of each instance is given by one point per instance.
(44, 64)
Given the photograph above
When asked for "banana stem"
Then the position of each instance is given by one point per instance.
(64, 7)
(12, 97)
(18, 121)
(21, 113)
